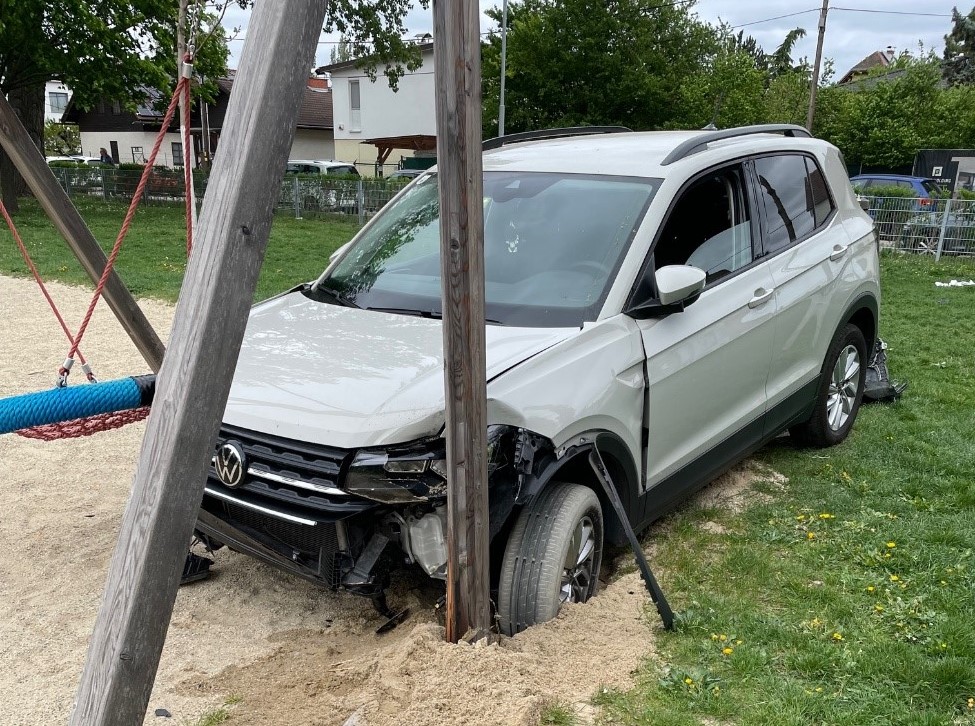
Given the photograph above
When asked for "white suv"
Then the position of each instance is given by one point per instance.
(673, 299)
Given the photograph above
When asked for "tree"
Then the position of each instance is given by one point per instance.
(959, 55)
(61, 139)
(340, 52)
(572, 62)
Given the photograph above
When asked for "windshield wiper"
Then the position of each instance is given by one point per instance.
(337, 296)
(429, 314)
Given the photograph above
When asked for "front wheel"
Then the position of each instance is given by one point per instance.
(552, 556)
(840, 392)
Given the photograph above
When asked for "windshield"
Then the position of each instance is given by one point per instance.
(552, 245)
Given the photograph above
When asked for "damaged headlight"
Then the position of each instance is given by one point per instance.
(414, 472)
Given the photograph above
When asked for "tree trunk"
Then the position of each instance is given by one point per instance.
(29, 104)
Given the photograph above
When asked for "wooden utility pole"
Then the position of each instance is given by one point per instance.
(814, 86)
(62, 213)
(193, 384)
(457, 57)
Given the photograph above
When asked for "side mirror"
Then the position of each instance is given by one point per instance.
(677, 286)
(678, 283)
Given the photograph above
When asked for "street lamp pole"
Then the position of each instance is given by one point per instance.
(504, 53)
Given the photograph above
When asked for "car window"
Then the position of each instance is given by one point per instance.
(709, 226)
(818, 192)
(905, 184)
(552, 245)
(932, 188)
(785, 199)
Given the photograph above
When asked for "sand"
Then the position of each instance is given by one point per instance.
(280, 650)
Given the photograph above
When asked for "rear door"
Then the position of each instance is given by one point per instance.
(707, 366)
(806, 248)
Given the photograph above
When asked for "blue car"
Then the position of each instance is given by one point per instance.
(925, 188)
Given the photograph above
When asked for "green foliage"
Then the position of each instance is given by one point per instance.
(966, 194)
(892, 190)
(61, 139)
(959, 55)
(576, 62)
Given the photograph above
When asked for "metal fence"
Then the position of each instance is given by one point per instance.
(925, 226)
(303, 196)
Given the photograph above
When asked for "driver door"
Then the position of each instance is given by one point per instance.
(707, 366)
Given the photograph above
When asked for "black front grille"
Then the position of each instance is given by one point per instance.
(317, 546)
(313, 463)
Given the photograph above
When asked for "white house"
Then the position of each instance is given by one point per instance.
(372, 123)
(56, 97)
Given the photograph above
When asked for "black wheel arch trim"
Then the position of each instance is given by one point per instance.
(863, 301)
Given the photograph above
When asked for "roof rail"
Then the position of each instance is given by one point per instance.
(499, 141)
(700, 142)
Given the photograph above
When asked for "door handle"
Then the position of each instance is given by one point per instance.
(762, 296)
(838, 252)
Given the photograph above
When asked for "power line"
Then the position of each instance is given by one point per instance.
(893, 12)
(777, 17)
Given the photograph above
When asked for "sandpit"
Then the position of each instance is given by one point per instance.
(281, 650)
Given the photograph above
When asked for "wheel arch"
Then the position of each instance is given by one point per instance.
(863, 312)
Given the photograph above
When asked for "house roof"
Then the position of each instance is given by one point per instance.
(877, 59)
(354, 63)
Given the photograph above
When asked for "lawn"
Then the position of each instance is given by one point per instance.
(849, 598)
(153, 257)
(846, 598)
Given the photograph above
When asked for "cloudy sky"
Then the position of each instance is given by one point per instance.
(854, 28)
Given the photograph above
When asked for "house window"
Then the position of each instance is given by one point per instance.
(137, 156)
(355, 115)
(116, 108)
(177, 153)
(58, 101)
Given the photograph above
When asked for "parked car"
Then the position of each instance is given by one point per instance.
(671, 300)
(924, 188)
(319, 194)
(406, 173)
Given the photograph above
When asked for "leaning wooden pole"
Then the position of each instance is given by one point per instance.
(457, 56)
(55, 202)
(193, 384)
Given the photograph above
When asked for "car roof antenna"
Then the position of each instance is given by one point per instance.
(719, 102)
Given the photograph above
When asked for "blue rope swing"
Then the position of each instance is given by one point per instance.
(67, 404)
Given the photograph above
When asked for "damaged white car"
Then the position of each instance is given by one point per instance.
(673, 299)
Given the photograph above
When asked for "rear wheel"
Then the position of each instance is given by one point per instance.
(840, 392)
(552, 556)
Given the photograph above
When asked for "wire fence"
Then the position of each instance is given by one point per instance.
(303, 196)
(935, 227)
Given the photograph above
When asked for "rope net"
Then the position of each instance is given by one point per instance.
(85, 426)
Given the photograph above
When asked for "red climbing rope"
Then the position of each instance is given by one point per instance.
(127, 222)
(50, 301)
(187, 171)
(85, 426)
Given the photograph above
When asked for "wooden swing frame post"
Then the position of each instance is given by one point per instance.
(457, 58)
(195, 379)
(62, 213)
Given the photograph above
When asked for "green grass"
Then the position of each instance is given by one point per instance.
(558, 714)
(153, 257)
(849, 598)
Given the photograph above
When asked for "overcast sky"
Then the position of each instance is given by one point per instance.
(850, 36)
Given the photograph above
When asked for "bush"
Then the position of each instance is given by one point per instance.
(966, 194)
(892, 190)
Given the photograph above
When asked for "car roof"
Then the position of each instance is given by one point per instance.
(322, 162)
(627, 154)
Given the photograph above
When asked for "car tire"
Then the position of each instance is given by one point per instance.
(563, 524)
(840, 392)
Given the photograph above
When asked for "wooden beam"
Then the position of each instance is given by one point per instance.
(457, 58)
(195, 379)
(55, 202)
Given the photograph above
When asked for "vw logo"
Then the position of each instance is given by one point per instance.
(229, 463)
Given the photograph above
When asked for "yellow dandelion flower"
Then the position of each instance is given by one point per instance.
(891, 545)
(971, 703)
(870, 588)
(810, 535)
(878, 607)
(819, 689)
(714, 636)
(739, 642)
(800, 517)
(827, 515)
(727, 651)
(837, 636)
(894, 578)
(689, 681)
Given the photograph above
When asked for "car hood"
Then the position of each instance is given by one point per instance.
(345, 377)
